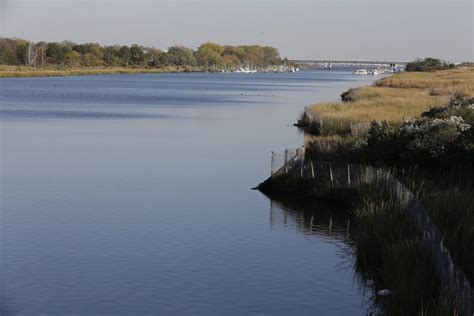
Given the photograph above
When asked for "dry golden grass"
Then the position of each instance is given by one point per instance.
(22, 71)
(460, 81)
(400, 97)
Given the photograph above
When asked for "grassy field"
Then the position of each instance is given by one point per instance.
(399, 97)
(22, 71)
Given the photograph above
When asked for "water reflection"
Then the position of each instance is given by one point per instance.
(311, 217)
(330, 223)
(326, 222)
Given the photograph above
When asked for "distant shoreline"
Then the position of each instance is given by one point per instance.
(21, 58)
(27, 72)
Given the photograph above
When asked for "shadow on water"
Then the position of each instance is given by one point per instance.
(327, 221)
(311, 217)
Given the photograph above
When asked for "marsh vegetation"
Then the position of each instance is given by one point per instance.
(419, 125)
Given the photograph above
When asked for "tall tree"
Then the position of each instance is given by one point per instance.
(137, 55)
(181, 56)
(209, 54)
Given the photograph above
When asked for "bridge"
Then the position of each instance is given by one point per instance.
(317, 62)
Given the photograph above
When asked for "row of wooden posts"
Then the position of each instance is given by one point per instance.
(300, 156)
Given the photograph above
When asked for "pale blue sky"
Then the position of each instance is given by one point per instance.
(356, 29)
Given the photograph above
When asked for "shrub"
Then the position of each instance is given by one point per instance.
(458, 106)
(303, 121)
(349, 96)
(382, 143)
(434, 138)
(380, 133)
(428, 64)
(308, 125)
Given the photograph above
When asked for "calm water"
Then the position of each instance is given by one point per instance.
(130, 195)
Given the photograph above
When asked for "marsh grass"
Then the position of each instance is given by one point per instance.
(380, 103)
(447, 82)
(398, 98)
(448, 196)
(22, 71)
(453, 212)
(333, 148)
(390, 252)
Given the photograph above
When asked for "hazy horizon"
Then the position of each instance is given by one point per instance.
(343, 29)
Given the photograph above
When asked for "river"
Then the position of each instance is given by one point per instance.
(130, 195)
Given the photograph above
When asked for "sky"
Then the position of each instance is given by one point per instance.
(400, 30)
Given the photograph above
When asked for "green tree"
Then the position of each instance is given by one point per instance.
(80, 48)
(230, 61)
(73, 58)
(209, 54)
(253, 55)
(7, 52)
(137, 55)
(181, 56)
(91, 60)
(154, 57)
(95, 49)
(111, 56)
(21, 53)
(124, 55)
(271, 55)
(15, 52)
(55, 53)
(236, 51)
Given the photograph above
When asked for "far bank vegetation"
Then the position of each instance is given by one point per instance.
(17, 55)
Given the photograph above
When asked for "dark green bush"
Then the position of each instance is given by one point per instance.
(428, 64)
(307, 125)
(383, 144)
(349, 95)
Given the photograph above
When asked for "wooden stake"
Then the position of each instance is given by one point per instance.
(349, 175)
(347, 228)
(302, 166)
(330, 174)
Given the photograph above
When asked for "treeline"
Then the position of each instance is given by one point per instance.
(69, 54)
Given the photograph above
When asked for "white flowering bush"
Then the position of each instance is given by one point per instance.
(435, 137)
(442, 135)
(456, 107)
